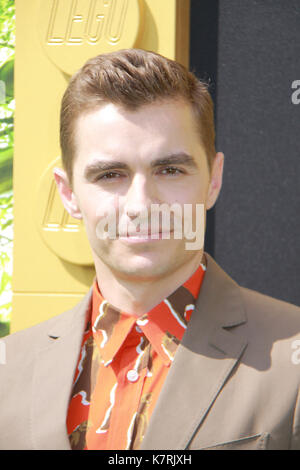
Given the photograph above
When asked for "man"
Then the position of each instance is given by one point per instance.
(166, 351)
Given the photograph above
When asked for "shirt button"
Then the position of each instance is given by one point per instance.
(132, 375)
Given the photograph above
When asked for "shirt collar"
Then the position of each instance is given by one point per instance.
(164, 325)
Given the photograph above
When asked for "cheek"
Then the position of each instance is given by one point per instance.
(98, 205)
(194, 193)
(200, 191)
(89, 206)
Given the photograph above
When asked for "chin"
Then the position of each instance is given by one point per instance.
(141, 269)
(148, 264)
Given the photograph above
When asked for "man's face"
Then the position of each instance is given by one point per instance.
(133, 159)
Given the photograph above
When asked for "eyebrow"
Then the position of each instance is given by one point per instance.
(175, 159)
(99, 166)
(180, 158)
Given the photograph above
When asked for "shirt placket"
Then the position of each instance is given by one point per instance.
(128, 395)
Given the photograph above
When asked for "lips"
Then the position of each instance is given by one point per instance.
(144, 234)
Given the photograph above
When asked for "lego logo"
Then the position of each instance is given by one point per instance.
(63, 235)
(72, 31)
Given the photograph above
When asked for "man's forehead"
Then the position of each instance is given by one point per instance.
(109, 111)
(172, 138)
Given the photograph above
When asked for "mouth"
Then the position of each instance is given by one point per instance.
(142, 237)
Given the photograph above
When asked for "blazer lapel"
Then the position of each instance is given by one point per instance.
(204, 359)
(53, 375)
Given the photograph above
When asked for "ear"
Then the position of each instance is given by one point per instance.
(66, 193)
(215, 180)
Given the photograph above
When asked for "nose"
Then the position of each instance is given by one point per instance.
(139, 196)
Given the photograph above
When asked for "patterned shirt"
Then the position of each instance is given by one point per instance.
(123, 363)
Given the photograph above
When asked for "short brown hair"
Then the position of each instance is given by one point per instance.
(132, 78)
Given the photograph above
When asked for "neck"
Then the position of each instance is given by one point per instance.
(138, 296)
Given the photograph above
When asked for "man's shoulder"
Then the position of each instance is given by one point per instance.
(42, 333)
(34, 332)
(272, 330)
(273, 309)
(254, 303)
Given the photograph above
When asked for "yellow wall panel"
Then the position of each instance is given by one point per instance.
(29, 306)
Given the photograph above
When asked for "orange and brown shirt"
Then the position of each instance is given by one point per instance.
(122, 366)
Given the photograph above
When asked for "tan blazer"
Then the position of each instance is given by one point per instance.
(234, 382)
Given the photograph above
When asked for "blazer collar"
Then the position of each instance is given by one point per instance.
(209, 350)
